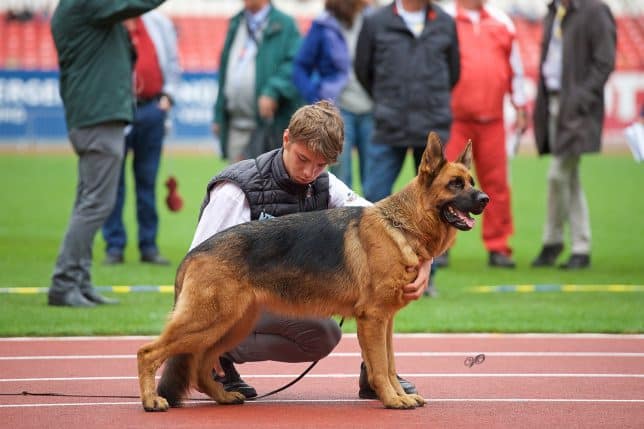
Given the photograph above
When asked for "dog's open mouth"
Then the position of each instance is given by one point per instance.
(457, 218)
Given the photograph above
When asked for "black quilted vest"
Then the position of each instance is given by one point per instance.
(269, 190)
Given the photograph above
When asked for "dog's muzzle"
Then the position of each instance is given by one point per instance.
(458, 212)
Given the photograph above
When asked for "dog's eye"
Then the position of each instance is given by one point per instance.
(457, 183)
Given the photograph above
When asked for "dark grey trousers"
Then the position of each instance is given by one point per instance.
(287, 340)
(100, 150)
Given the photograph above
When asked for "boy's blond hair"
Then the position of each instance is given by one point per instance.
(320, 127)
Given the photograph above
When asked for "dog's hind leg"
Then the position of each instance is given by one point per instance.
(203, 372)
(372, 335)
(185, 332)
(392, 373)
(149, 359)
(175, 379)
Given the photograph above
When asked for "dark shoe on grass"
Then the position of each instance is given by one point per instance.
(548, 255)
(577, 261)
(71, 298)
(113, 259)
(95, 297)
(154, 258)
(500, 260)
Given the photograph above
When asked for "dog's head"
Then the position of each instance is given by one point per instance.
(448, 187)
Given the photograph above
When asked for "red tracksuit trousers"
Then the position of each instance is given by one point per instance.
(491, 167)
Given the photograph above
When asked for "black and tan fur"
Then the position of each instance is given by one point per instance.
(350, 261)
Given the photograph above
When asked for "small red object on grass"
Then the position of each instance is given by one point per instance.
(173, 200)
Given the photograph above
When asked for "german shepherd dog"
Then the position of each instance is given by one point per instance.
(351, 261)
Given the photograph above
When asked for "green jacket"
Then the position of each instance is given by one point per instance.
(273, 76)
(95, 58)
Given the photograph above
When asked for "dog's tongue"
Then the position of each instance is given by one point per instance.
(466, 218)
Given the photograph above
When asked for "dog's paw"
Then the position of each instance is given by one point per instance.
(400, 402)
(420, 401)
(231, 398)
(155, 403)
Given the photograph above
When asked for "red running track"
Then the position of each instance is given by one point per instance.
(526, 381)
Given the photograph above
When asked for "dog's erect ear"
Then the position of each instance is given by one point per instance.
(433, 159)
(466, 157)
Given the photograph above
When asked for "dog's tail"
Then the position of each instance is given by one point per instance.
(175, 379)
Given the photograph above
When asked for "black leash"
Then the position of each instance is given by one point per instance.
(286, 386)
(72, 395)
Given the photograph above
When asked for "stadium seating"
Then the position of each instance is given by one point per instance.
(27, 45)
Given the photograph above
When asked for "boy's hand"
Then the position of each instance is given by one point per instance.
(414, 290)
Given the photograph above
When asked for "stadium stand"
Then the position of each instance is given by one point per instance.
(29, 109)
(27, 44)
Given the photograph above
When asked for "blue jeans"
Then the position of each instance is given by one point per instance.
(383, 166)
(358, 128)
(145, 141)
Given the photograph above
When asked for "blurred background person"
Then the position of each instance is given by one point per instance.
(95, 60)
(490, 68)
(356, 108)
(407, 58)
(156, 78)
(577, 57)
(323, 69)
(255, 78)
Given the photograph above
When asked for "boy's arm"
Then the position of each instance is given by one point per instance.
(340, 195)
(227, 207)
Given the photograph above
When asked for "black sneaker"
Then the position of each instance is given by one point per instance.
(232, 381)
(70, 298)
(577, 261)
(500, 260)
(95, 297)
(155, 259)
(366, 392)
(548, 255)
(113, 259)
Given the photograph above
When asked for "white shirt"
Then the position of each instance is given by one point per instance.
(228, 207)
(415, 21)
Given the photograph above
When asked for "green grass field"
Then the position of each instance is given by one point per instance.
(37, 196)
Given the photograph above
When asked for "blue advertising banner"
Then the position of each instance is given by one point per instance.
(31, 108)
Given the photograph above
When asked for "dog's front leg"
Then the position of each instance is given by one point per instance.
(372, 335)
(393, 374)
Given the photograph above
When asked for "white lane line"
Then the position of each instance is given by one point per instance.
(357, 354)
(335, 401)
(352, 335)
(341, 375)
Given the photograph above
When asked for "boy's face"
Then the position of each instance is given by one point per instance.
(302, 164)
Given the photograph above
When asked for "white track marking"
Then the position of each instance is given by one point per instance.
(357, 354)
(354, 375)
(353, 336)
(336, 401)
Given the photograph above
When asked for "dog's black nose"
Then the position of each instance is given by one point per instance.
(482, 199)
